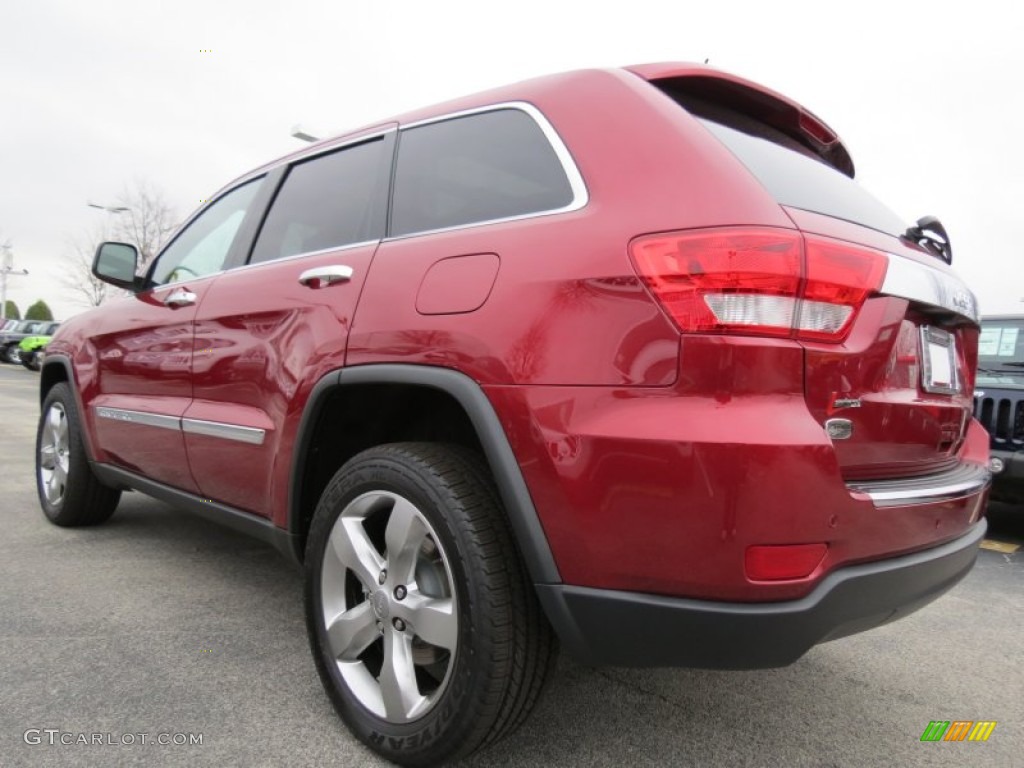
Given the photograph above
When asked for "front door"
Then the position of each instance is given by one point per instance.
(144, 346)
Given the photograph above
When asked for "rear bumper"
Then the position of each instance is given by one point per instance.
(662, 491)
(608, 627)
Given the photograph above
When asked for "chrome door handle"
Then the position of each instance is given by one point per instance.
(180, 298)
(321, 277)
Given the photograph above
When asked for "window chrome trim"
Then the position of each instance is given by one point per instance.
(580, 194)
(251, 435)
(139, 417)
(912, 280)
(183, 281)
(307, 254)
(963, 480)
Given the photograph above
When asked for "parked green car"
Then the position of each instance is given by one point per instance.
(30, 350)
(10, 352)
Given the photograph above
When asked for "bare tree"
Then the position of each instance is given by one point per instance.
(148, 220)
(78, 278)
(143, 217)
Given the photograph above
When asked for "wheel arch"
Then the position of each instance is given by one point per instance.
(453, 388)
(54, 370)
(58, 369)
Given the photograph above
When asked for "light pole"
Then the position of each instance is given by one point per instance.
(7, 268)
(300, 131)
(108, 208)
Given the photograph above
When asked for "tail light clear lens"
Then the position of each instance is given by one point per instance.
(762, 281)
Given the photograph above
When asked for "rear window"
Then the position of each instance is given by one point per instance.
(791, 173)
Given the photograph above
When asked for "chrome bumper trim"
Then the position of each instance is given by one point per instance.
(963, 480)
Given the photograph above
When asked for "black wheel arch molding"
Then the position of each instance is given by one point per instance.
(515, 495)
(46, 382)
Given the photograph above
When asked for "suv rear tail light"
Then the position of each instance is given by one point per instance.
(761, 281)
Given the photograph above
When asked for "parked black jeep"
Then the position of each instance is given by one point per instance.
(999, 402)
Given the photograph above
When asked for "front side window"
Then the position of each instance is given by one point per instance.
(476, 168)
(203, 247)
(328, 201)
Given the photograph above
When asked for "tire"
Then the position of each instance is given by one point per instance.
(12, 354)
(69, 492)
(441, 648)
(31, 360)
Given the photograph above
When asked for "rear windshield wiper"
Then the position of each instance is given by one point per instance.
(931, 235)
(1013, 363)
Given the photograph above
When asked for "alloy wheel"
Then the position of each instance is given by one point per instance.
(389, 606)
(54, 456)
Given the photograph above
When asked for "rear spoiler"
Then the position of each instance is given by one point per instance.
(755, 101)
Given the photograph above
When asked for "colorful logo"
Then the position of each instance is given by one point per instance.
(958, 730)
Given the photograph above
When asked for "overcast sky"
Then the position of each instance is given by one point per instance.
(928, 96)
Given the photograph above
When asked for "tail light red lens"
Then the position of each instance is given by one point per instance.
(840, 277)
(788, 561)
(761, 281)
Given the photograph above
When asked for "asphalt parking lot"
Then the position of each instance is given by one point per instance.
(159, 623)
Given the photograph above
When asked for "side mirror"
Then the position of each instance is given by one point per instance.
(115, 263)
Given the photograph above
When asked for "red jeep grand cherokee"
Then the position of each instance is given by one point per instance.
(624, 358)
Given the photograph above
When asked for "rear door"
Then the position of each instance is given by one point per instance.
(268, 330)
(143, 347)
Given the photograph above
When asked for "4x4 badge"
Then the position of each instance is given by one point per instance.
(962, 300)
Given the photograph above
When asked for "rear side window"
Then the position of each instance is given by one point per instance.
(326, 202)
(491, 165)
